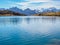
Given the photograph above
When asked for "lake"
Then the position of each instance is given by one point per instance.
(25, 30)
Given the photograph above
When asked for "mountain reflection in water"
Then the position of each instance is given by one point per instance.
(29, 30)
(28, 20)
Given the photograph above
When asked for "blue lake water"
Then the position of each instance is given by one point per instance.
(15, 30)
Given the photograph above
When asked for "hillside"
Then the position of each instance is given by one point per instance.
(48, 14)
(10, 13)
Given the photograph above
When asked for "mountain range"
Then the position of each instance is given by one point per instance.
(29, 12)
(26, 11)
(52, 9)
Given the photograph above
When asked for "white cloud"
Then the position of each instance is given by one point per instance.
(49, 4)
(32, 1)
(23, 3)
(39, 0)
(45, 4)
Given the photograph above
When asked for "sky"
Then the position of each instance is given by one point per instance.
(32, 4)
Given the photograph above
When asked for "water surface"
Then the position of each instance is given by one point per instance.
(29, 30)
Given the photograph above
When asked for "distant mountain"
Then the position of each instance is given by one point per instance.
(58, 10)
(2, 8)
(29, 12)
(49, 12)
(26, 11)
(52, 9)
(15, 9)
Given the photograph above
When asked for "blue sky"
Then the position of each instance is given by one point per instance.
(32, 4)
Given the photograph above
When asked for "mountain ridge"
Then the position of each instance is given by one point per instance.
(29, 12)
